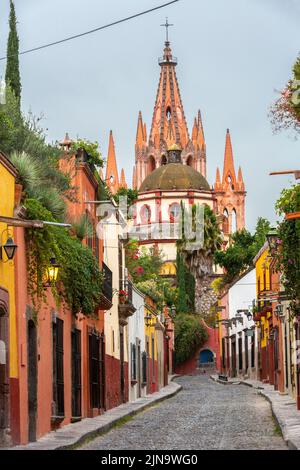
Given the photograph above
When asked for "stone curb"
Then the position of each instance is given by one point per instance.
(289, 425)
(73, 435)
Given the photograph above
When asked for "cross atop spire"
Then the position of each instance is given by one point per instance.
(167, 26)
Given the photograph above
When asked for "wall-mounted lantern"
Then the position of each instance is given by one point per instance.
(9, 248)
(51, 273)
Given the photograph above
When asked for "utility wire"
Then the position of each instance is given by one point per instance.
(70, 38)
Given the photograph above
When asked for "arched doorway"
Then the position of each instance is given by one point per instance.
(206, 357)
(4, 369)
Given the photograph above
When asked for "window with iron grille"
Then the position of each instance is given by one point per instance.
(94, 372)
(144, 367)
(133, 362)
(58, 367)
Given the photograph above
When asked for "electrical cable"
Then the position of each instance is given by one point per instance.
(70, 38)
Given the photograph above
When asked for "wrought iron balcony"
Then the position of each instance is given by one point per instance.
(107, 289)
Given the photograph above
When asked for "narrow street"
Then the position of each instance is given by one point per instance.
(204, 415)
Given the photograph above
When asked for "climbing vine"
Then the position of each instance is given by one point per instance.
(288, 250)
(80, 280)
(190, 334)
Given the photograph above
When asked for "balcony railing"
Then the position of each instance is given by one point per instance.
(107, 288)
(107, 282)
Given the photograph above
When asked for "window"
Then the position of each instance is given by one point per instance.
(174, 212)
(163, 160)
(144, 367)
(152, 164)
(189, 161)
(168, 113)
(133, 362)
(145, 214)
(58, 367)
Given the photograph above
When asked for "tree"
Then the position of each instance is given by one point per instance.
(190, 334)
(285, 112)
(243, 246)
(200, 261)
(131, 194)
(12, 76)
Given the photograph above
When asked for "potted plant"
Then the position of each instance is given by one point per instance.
(122, 296)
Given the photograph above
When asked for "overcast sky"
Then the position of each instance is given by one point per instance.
(232, 56)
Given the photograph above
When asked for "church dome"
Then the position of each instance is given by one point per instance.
(174, 176)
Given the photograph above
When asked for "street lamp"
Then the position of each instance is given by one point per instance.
(9, 248)
(52, 272)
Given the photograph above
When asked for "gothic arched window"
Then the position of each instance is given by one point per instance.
(174, 212)
(225, 225)
(152, 164)
(145, 214)
(168, 113)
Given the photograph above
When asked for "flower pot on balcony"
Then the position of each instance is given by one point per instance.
(122, 299)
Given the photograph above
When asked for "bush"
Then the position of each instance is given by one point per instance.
(190, 334)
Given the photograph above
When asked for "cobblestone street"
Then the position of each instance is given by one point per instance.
(204, 415)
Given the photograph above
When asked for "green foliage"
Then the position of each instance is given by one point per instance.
(142, 264)
(26, 135)
(82, 227)
(242, 248)
(131, 194)
(80, 280)
(190, 334)
(29, 174)
(288, 253)
(12, 75)
(186, 287)
(92, 149)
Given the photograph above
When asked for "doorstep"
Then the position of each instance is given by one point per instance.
(283, 407)
(72, 435)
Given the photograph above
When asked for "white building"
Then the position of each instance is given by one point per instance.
(136, 341)
(241, 331)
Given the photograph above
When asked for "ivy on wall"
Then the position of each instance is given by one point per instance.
(288, 252)
(80, 280)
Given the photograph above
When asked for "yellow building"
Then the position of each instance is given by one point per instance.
(264, 307)
(8, 334)
(151, 345)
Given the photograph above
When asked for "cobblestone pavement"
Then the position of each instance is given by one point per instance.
(204, 415)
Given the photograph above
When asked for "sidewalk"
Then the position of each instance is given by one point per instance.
(284, 408)
(72, 435)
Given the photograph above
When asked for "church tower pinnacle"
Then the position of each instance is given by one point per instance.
(230, 192)
(112, 175)
(169, 127)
